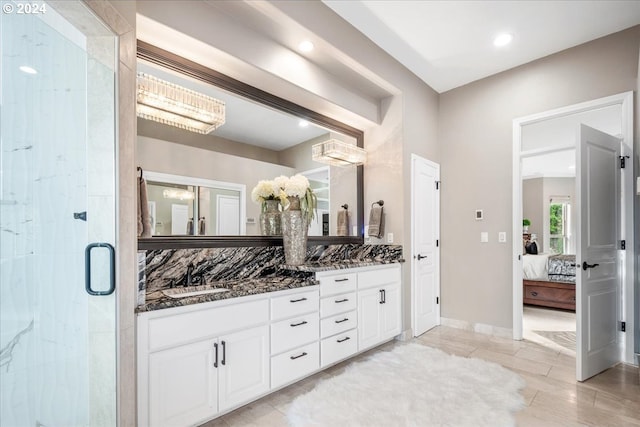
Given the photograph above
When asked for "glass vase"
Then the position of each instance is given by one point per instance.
(294, 233)
(270, 219)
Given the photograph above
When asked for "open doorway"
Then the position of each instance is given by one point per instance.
(544, 159)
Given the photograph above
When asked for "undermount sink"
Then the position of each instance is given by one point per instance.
(193, 291)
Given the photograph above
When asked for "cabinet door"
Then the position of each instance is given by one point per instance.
(244, 366)
(183, 385)
(390, 320)
(368, 318)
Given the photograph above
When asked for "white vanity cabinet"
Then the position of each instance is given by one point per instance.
(193, 364)
(338, 315)
(379, 305)
(294, 336)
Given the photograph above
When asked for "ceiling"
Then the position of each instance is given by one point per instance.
(450, 43)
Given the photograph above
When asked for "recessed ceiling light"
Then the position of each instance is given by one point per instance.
(502, 40)
(27, 69)
(303, 123)
(305, 46)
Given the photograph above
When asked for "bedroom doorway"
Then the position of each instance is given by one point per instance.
(541, 141)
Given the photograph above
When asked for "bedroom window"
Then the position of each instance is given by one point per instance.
(559, 217)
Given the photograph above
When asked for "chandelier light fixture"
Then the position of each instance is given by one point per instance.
(174, 105)
(178, 193)
(338, 153)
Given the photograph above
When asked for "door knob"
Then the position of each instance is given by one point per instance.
(586, 266)
(421, 256)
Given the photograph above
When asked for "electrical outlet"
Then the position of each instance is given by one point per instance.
(484, 237)
(502, 236)
(389, 237)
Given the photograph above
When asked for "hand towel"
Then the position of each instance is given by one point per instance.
(202, 226)
(190, 227)
(343, 222)
(144, 208)
(376, 221)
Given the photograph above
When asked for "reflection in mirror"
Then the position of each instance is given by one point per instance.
(259, 141)
(187, 206)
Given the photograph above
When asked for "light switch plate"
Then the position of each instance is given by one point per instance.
(389, 237)
(484, 237)
(502, 236)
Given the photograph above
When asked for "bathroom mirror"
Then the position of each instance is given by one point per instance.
(239, 152)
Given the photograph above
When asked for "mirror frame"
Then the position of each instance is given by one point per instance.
(171, 61)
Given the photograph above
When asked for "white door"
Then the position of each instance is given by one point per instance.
(390, 318)
(368, 317)
(425, 262)
(228, 216)
(598, 268)
(244, 372)
(183, 385)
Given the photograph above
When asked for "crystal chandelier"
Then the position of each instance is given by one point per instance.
(338, 153)
(174, 105)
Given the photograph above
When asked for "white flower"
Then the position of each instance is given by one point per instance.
(280, 182)
(265, 190)
(297, 186)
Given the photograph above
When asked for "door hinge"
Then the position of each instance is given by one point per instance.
(623, 244)
(623, 161)
(437, 300)
(437, 243)
(623, 326)
(437, 185)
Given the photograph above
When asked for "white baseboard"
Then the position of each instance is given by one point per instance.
(480, 328)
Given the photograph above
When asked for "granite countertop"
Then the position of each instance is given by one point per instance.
(157, 300)
(328, 265)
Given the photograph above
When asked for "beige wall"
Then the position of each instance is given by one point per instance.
(475, 136)
(532, 207)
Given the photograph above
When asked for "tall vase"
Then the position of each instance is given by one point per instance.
(294, 233)
(270, 220)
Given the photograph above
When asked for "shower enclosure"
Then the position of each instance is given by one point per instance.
(57, 216)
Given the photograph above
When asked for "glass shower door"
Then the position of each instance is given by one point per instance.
(57, 216)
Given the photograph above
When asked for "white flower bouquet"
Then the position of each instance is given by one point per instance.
(298, 186)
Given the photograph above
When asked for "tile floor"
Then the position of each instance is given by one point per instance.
(552, 395)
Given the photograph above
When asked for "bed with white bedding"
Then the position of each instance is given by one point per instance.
(549, 280)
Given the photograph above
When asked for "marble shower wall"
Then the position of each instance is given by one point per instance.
(168, 267)
(47, 138)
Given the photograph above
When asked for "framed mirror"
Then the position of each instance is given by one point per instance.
(257, 142)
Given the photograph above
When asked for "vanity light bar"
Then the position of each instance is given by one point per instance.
(174, 105)
(338, 153)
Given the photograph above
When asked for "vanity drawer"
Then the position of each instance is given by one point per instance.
(294, 304)
(336, 324)
(294, 332)
(379, 277)
(172, 330)
(336, 283)
(338, 304)
(339, 347)
(294, 364)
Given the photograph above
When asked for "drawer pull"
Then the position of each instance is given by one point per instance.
(343, 320)
(534, 294)
(341, 280)
(341, 300)
(297, 300)
(344, 339)
(304, 353)
(304, 322)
